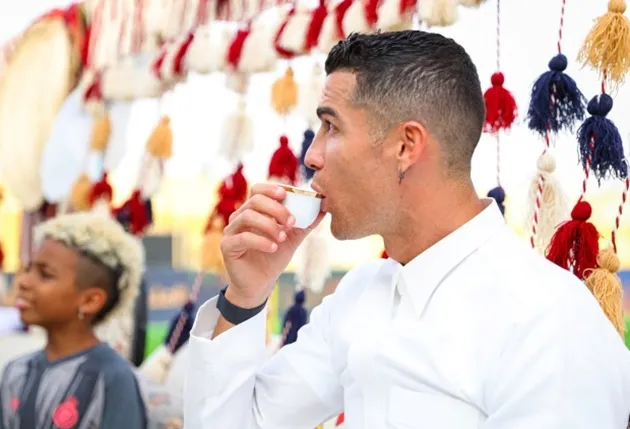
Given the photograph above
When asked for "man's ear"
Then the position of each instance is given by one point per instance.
(411, 144)
(92, 301)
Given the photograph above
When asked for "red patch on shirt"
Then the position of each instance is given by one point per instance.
(14, 403)
(66, 415)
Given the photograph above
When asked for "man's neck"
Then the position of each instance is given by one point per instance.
(423, 225)
(67, 341)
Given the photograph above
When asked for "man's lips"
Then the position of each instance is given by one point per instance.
(23, 304)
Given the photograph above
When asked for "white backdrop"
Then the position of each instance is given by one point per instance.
(529, 36)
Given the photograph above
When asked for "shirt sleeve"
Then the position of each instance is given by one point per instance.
(232, 382)
(122, 393)
(567, 368)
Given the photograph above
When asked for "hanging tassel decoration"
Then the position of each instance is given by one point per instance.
(237, 134)
(601, 147)
(134, 214)
(310, 93)
(556, 103)
(498, 195)
(160, 142)
(607, 45)
(501, 110)
(551, 205)
(439, 13)
(283, 167)
(575, 244)
(101, 191)
(384, 254)
(605, 286)
(101, 131)
(307, 173)
(284, 93)
(80, 194)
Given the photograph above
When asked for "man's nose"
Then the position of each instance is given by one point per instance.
(314, 158)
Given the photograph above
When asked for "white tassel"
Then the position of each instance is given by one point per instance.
(310, 95)
(390, 18)
(259, 54)
(294, 34)
(355, 21)
(313, 265)
(553, 207)
(152, 177)
(439, 13)
(328, 36)
(208, 50)
(238, 135)
(471, 3)
(157, 366)
(237, 82)
(131, 78)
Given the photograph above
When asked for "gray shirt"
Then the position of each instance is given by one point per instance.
(94, 389)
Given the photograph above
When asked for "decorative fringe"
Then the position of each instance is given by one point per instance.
(606, 287)
(601, 147)
(553, 202)
(437, 12)
(80, 195)
(575, 244)
(284, 93)
(238, 137)
(501, 110)
(160, 142)
(101, 130)
(556, 102)
(498, 195)
(284, 164)
(307, 173)
(607, 45)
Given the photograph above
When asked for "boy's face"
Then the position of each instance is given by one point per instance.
(48, 295)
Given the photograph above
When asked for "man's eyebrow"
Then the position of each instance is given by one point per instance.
(326, 111)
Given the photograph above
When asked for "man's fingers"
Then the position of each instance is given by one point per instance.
(245, 241)
(267, 206)
(250, 220)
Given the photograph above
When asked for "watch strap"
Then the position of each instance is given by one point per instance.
(235, 314)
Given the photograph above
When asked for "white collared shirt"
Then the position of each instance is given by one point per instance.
(477, 332)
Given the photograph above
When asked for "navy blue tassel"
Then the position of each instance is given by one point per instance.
(606, 151)
(187, 311)
(498, 195)
(296, 316)
(308, 173)
(569, 106)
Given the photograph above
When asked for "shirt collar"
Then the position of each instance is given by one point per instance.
(420, 278)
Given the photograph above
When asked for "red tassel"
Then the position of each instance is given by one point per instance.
(232, 193)
(101, 189)
(384, 255)
(1, 258)
(407, 6)
(236, 47)
(157, 64)
(501, 110)
(340, 13)
(137, 211)
(371, 11)
(178, 61)
(575, 244)
(284, 164)
(315, 26)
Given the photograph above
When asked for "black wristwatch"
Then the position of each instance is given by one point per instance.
(233, 313)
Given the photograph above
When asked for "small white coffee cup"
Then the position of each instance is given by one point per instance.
(303, 204)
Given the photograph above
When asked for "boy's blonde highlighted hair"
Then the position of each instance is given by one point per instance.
(103, 239)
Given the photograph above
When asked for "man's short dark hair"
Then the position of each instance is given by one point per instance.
(421, 76)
